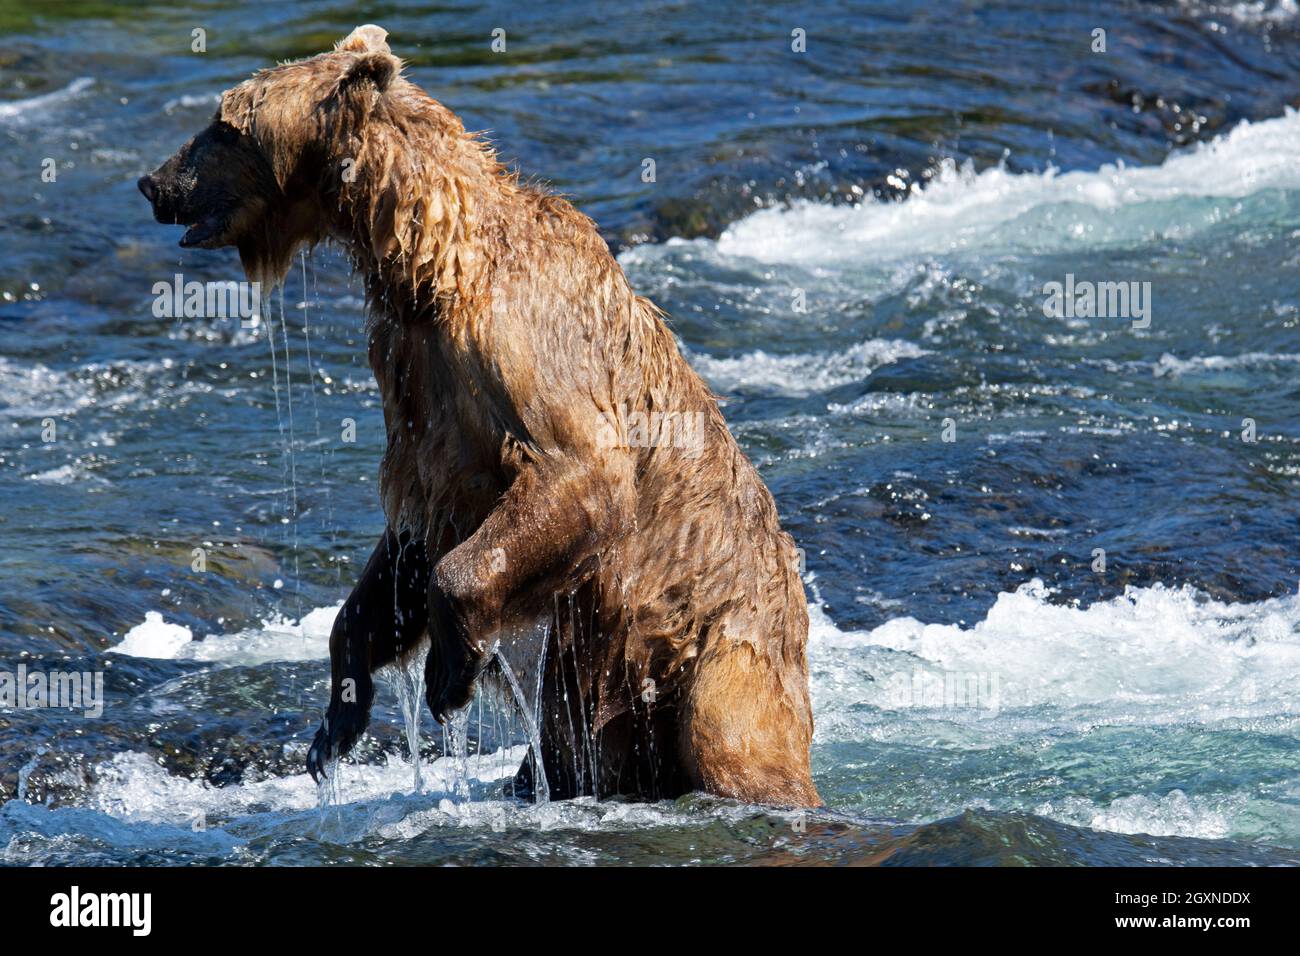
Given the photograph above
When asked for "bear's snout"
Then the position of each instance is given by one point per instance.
(156, 192)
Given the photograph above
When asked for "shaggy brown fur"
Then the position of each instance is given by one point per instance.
(508, 347)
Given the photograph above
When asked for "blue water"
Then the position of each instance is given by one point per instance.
(853, 244)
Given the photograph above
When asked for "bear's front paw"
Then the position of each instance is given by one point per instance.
(335, 737)
(454, 660)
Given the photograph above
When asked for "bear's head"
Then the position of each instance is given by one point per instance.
(264, 176)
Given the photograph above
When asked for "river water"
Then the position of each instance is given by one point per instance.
(1052, 557)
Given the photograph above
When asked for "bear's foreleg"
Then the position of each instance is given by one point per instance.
(384, 617)
(556, 516)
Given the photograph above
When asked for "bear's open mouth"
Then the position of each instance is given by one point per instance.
(204, 234)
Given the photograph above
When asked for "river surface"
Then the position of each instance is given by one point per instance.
(1052, 556)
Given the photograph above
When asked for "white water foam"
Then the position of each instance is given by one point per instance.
(1152, 657)
(1173, 648)
(801, 374)
(278, 639)
(133, 787)
(1246, 12)
(1170, 654)
(1033, 674)
(192, 101)
(996, 210)
(1173, 814)
(38, 391)
(74, 473)
(20, 109)
(1172, 366)
(137, 803)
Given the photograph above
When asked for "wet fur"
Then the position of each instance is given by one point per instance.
(500, 331)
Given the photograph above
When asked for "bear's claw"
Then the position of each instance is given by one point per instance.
(334, 738)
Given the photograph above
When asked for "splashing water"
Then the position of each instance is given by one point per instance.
(25, 772)
(328, 790)
(457, 736)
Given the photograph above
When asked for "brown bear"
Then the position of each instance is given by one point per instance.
(561, 490)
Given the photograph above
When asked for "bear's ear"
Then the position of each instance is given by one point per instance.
(377, 67)
(364, 39)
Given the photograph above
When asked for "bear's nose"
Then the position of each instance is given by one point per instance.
(147, 187)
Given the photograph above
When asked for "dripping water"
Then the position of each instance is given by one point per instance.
(408, 680)
(530, 714)
(587, 744)
(275, 381)
(290, 449)
(328, 789)
(579, 772)
(315, 412)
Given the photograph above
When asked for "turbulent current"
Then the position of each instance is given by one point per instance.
(1052, 555)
